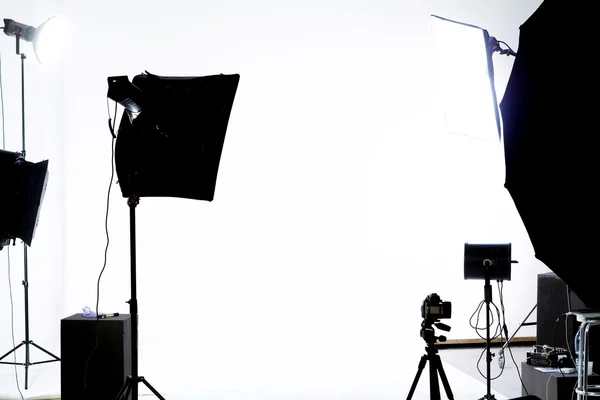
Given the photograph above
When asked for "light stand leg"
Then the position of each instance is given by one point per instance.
(505, 345)
(131, 383)
(27, 342)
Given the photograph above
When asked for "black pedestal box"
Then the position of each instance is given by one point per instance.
(109, 365)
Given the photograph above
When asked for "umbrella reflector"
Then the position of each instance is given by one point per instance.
(549, 113)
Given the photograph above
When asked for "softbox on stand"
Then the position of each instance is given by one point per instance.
(172, 148)
(169, 144)
(23, 188)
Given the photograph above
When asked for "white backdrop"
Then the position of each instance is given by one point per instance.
(341, 202)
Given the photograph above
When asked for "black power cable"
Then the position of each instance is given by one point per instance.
(501, 296)
(111, 125)
(501, 332)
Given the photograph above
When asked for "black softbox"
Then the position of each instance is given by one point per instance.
(171, 136)
(21, 194)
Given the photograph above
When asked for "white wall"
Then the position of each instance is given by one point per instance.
(341, 202)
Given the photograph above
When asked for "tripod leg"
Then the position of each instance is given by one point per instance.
(434, 384)
(416, 380)
(151, 388)
(444, 378)
(10, 352)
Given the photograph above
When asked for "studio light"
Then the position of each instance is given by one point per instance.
(46, 38)
(24, 183)
(23, 187)
(464, 58)
(169, 145)
(488, 261)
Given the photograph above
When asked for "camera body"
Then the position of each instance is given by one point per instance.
(433, 308)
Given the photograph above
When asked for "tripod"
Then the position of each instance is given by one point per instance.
(130, 385)
(27, 342)
(435, 363)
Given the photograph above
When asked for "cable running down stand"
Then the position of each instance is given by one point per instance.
(27, 342)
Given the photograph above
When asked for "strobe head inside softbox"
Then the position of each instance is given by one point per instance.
(171, 145)
(21, 195)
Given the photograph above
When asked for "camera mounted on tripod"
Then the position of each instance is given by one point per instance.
(432, 310)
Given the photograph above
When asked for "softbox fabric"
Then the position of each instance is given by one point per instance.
(549, 113)
(21, 195)
(173, 147)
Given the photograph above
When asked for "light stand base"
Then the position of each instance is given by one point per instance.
(26, 364)
(129, 386)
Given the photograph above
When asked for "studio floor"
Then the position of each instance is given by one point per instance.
(460, 365)
(506, 382)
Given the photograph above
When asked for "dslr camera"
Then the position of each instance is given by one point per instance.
(433, 308)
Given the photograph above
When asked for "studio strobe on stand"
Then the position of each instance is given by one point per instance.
(488, 262)
(24, 186)
(166, 117)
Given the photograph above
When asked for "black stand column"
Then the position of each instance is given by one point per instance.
(130, 386)
(26, 342)
(488, 341)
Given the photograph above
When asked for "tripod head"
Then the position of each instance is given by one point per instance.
(435, 363)
(428, 331)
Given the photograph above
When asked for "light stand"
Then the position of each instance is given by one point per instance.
(487, 293)
(468, 80)
(131, 382)
(487, 262)
(27, 342)
(169, 144)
